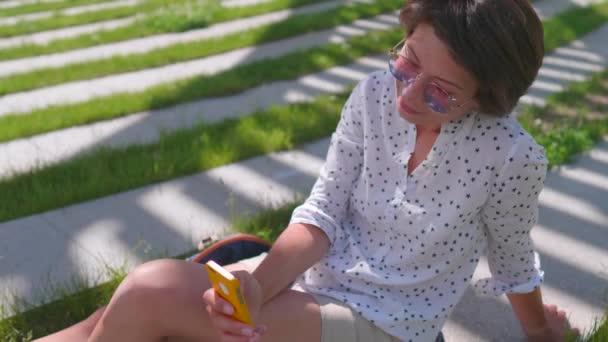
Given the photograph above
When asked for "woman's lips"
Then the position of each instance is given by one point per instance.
(406, 108)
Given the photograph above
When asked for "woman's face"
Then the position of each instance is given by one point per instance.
(428, 55)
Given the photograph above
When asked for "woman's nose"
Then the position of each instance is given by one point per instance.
(413, 93)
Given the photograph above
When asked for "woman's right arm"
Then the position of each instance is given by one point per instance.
(316, 224)
(297, 248)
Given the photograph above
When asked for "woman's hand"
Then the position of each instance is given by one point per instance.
(220, 311)
(556, 329)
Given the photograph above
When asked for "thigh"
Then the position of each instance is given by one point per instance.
(289, 316)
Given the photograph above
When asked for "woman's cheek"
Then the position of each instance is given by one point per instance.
(400, 63)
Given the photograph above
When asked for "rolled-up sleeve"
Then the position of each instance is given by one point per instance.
(509, 215)
(328, 200)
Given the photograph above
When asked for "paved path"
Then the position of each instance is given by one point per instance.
(172, 216)
(69, 11)
(241, 3)
(17, 3)
(136, 81)
(571, 240)
(45, 37)
(142, 45)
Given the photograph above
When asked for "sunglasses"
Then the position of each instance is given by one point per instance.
(437, 99)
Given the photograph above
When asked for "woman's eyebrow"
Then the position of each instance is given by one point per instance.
(437, 77)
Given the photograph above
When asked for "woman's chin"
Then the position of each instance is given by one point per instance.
(411, 117)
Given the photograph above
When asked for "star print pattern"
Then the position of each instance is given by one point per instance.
(404, 248)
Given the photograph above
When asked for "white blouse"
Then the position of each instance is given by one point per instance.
(404, 248)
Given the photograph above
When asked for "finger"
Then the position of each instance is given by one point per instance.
(217, 302)
(227, 324)
(551, 310)
(208, 296)
(561, 314)
(551, 307)
(211, 297)
(223, 305)
(255, 338)
(227, 337)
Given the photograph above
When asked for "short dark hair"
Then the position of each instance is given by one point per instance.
(500, 42)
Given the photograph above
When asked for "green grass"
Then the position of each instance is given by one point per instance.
(283, 127)
(62, 21)
(45, 6)
(290, 27)
(569, 25)
(160, 18)
(557, 33)
(74, 303)
(570, 123)
(287, 67)
(109, 171)
(599, 332)
(229, 82)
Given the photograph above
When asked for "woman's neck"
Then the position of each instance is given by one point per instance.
(424, 130)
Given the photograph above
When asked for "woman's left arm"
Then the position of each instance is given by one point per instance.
(528, 308)
(540, 322)
(509, 215)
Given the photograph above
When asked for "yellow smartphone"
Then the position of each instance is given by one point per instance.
(229, 288)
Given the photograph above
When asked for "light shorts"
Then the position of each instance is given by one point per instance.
(339, 323)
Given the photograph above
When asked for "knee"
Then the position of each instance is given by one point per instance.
(151, 280)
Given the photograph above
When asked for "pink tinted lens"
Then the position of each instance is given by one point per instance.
(437, 98)
(405, 70)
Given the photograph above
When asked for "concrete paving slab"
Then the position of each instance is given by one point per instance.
(45, 37)
(129, 228)
(34, 257)
(142, 45)
(573, 252)
(578, 60)
(17, 3)
(69, 11)
(226, 3)
(241, 3)
(146, 127)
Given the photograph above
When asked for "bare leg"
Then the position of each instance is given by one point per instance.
(78, 332)
(162, 301)
(153, 302)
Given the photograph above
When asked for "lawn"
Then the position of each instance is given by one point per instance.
(571, 123)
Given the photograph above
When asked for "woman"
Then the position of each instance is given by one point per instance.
(425, 170)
